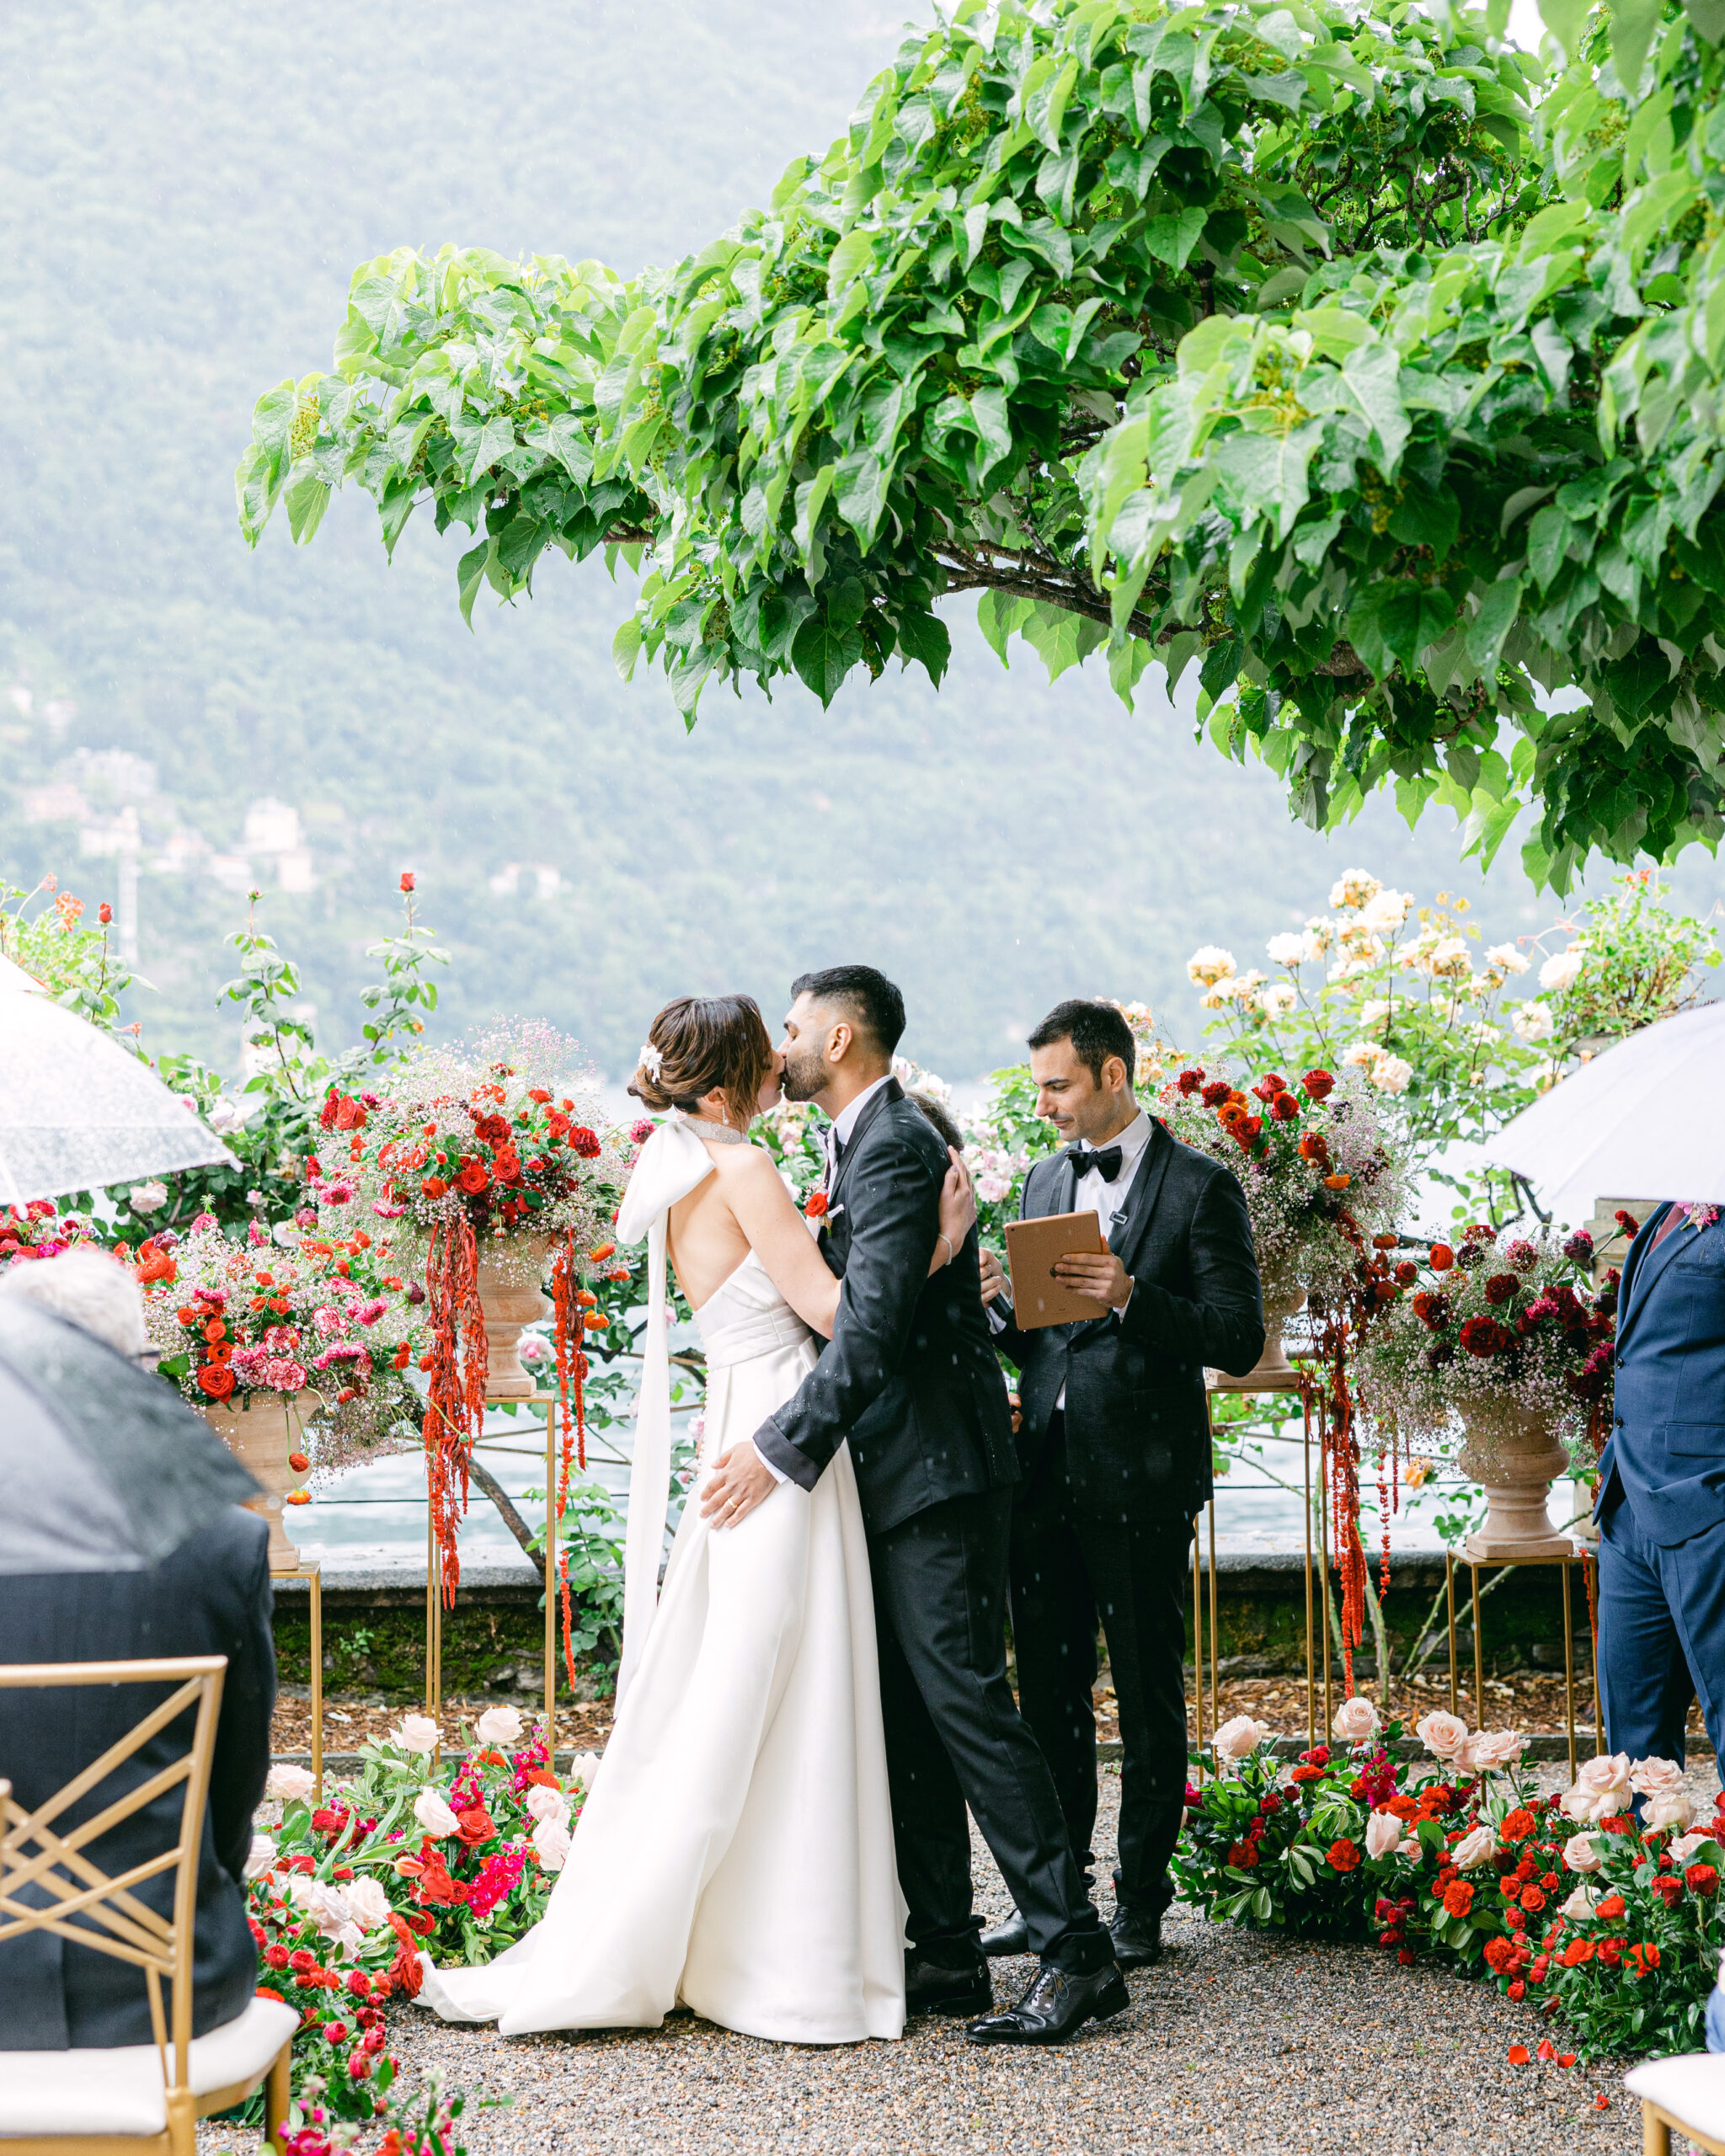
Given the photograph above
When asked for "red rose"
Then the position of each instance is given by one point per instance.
(1532, 1899)
(1500, 1955)
(1643, 1959)
(1188, 1082)
(1517, 1825)
(1440, 1257)
(1669, 1889)
(586, 1142)
(1319, 1084)
(815, 1204)
(1500, 1288)
(1458, 1897)
(1517, 1990)
(1612, 1905)
(276, 1956)
(1343, 1855)
(1484, 1336)
(1216, 1092)
(335, 2033)
(473, 1178)
(507, 1168)
(538, 1093)
(1576, 1952)
(1306, 1774)
(1701, 1878)
(407, 879)
(1248, 1128)
(493, 1130)
(476, 1826)
(1285, 1108)
(434, 1187)
(216, 1379)
(1243, 1855)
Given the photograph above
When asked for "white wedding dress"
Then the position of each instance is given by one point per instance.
(735, 1851)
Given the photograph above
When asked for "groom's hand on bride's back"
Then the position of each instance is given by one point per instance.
(740, 1479)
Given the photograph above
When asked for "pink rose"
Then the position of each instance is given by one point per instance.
(1601, 1789)
(1685, 1846)
(1477, 1848)
(1580, 1854)
(1656, 1778)
(1493, 1749)
(1443, 1735)
(1383, 1833)
(1580, 1905)
(1240, 1737)
(1356, 1721)
(1675, 1810)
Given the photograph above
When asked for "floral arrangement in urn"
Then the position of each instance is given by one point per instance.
(491, 1159)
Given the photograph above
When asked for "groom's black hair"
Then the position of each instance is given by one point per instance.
(869, 999)
(1096, 1030)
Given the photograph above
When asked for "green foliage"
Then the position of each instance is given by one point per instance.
(1637, 961)
(1301, 340)
(78, 966)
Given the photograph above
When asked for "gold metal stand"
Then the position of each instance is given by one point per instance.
(1579, 1557)
(307, 1570)
(434, 1585)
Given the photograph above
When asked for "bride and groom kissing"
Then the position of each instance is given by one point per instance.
(817, 1693)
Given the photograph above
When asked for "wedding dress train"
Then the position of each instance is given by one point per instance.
(735, 1850)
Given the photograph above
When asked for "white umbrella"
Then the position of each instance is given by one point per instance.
(1640, 1120)
(76, 1110)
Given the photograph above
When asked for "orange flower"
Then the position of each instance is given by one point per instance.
(1337, 1182)
(216, 1329)
(434, 1185)
(1458, 1897)
(297, 1497)
(603, 1251)
(596, 1321)
(216, 1379)
(1519, 2055)
(402, 1355)
(1441, 1257)
(298, 1462)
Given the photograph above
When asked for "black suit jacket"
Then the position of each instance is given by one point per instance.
(211, 1597)
(1137, 1421)
(910, 1375)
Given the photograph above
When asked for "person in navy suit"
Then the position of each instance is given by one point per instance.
(1661, 1506)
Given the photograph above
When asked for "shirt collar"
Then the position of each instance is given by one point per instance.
(844, 1121)
(1131, 1141)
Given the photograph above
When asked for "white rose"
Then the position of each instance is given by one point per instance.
(1474, 1848)
(284, 1233)
(1685, 1846)
(1493, 1749)
(1220, 994)
(224, 1116)
(1562, 972)
(1356, 1720)
(551, 1844)
(433, 1814)
(1238, 1738)
(582, 1769)
(260, 1858)
(1506, 959)
(1533, 1022)
(327, 1906)
(1388, 909)
(1383, 1833)
(498, 1726)
(1581, 1903)
(148, 1197)
(293, 1784)
(1277, 1000)
(1580, 1853)
(418, 1733)
(1374, 1012)
(1656, 1777)
(1392, 1073)
(1357, 887)
(544, 1802)
(369, 1902)
(1288, 950)
(1362, 1052)
(1209, 965)
(1443, 1735)
(1601, 1789)
(1676, 1810)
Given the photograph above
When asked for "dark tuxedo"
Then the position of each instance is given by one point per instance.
(211, 1596)
(909, 1379)
(1102, 1523)
(1661, 1506)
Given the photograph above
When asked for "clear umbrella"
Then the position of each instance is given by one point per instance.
(76, 1111)
(1638, 1121)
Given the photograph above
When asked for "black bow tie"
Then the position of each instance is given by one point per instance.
(1106, 1163)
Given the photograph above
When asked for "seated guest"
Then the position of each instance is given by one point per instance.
(1661, 1505)
(209, 1595)
(1115, 1446)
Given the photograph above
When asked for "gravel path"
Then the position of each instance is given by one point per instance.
(1237, 2044)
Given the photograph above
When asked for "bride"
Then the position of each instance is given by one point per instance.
(735, 1854)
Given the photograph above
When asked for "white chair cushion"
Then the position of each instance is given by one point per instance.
(121, 2091)
(1690, 2087)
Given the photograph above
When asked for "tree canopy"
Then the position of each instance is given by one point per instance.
(1356, 359)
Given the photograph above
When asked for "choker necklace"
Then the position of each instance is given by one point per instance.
(716, 1133)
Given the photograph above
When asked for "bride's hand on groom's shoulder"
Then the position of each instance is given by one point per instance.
(740, 1479)
(957, 1203)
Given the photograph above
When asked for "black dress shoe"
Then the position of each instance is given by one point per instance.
(1012, 1937)
(1056, 2006)
(1137, 1934)
(930, 1989)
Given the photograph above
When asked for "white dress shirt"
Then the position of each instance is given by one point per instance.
(841, 1129)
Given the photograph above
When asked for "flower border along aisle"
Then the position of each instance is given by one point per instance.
(1564, 1903)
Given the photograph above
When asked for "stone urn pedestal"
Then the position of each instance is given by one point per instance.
(260, 1435)
(1273, 1372)
(1513, 1453)
(510, 1299)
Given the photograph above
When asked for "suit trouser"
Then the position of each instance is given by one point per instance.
(954, 1737)
(1662, 1637)
(1069, 1568)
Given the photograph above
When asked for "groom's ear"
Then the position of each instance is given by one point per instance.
(839, 1042)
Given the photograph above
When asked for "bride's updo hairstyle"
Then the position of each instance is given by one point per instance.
(700, 1042)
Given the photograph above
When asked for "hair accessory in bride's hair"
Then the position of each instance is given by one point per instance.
(652, 1060)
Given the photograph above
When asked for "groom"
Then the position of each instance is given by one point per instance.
(910, 1380)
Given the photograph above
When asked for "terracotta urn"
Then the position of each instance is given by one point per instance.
(260, 1435)
(510, 1299)
(1513, 1452)
(1273, 1372)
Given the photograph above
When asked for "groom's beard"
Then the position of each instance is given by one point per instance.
(804, 1074)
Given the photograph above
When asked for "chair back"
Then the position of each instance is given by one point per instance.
(69, 1894)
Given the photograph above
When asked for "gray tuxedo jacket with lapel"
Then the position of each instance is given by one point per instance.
(909, 1376)
(1667, 1453)
(1137, 1427)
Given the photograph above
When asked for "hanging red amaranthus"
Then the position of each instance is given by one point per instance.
(455, 1411)
(568, 1331)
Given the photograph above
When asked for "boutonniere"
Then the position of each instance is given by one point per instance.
(1701, 1216)
(815, 1205)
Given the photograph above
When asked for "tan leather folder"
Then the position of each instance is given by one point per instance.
(1032, 1247)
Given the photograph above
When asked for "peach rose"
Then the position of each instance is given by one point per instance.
(1580, 1854)
(544, 1802)
(1383, 1833)
(1674, 1809)
(418, 1733)
(498, 1726)
(1601, 1789)
(1580, 1905)
(261, 1857)
(1356, 1721)
(1656, 1778)
(1685, 1846)
(551, 1844)
(1239, 1738)
(433, 1814)
(1491, 1750)
(293, 1784)
(369, 1902)
(582, 1768)
(1443, 1735)
(1477, 1848)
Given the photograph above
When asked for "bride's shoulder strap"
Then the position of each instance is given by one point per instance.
(671, 1164)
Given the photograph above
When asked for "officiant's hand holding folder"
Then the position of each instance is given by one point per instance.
(1033, 1249)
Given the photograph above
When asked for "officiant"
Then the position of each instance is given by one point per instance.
(1115, 1446)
